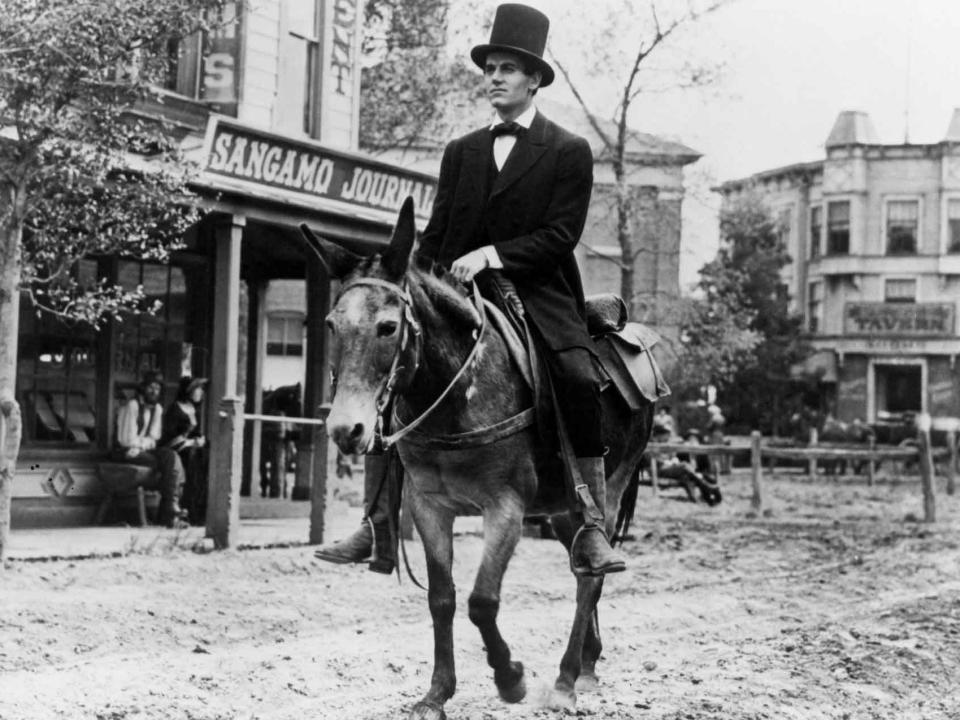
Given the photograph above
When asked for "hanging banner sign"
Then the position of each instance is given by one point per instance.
(262, 159)
(221, 48)
(898, 318)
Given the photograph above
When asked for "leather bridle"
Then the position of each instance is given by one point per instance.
(410, 344)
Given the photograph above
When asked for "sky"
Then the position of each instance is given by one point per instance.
(788, 68)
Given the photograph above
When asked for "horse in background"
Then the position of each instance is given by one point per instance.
(278, 440)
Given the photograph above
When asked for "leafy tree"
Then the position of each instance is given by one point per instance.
(630, 60)
(73, 176)
(716, 341)
(412, 91)
(745, 278)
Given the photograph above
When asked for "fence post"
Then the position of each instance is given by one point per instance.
(952, 467)
(812, 462)
(756, 465)
(871, 463)
(927, 469)
(654, 478)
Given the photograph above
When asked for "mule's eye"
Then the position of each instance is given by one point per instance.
(331, 327)
(386, 328)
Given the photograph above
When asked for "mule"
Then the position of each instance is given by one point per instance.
(408, 336)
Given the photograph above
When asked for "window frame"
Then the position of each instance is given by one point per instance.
(890, 200)
(900, 299)
(816, 232)
(815, 300)
(288, 318)
(947, 245)
(829, 250)
(308, 116)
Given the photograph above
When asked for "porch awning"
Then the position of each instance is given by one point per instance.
(821, 365)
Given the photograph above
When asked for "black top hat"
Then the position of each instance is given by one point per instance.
(521, 30)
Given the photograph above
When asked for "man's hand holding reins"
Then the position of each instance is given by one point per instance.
(465, 268)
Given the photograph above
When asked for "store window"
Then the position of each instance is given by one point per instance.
(814, 307)
(68, 373)
(838, 228)
(900, 290)
(953, 225)
(168, 341)
(57, 374)
(297, 109)
(903, 223)
(285, 335)
(816, 230)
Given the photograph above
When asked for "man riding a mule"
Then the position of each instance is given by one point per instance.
(511, 205)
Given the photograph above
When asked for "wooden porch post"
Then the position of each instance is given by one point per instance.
(256, 350)
(311, 481)
(225, 428)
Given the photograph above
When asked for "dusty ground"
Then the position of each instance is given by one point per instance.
(835, 604)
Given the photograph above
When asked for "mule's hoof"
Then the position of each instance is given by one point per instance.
(587, 682)
(556, 698)
(510, 683)
(514, 694)
(427, 711)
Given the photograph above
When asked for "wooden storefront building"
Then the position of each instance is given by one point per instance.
(268, 109)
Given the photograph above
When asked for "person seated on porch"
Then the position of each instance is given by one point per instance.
(183, 434)
(139, 428)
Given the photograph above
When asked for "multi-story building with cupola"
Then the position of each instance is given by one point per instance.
(874, 233)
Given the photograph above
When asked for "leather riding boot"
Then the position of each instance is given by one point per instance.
(375, 541)
(590, 551)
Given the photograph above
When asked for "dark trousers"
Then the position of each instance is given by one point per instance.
(574, 372)
(577, 383)
(170, 475)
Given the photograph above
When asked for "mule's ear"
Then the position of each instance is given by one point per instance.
(397, 255)
(337, 260)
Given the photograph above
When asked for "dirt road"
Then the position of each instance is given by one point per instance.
(837, 604)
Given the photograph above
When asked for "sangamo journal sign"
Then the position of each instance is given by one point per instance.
(237, 154)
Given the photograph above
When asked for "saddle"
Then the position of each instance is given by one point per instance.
(623, 348)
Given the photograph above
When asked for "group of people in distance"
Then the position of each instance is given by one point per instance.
(170, 442)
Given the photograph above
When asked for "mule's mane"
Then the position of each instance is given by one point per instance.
(450, 298)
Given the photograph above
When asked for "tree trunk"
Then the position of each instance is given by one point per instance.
(624, 240)
(10, 428)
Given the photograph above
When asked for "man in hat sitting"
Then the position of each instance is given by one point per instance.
(512, 199)
(139, 428)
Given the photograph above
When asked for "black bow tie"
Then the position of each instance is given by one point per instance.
(507, 128)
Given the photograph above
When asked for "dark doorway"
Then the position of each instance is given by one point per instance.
(899, 390)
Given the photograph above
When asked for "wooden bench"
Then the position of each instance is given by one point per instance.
(125, 480)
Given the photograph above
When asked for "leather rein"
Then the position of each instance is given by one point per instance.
(410, 329)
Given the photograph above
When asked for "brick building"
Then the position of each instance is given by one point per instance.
(874, 233)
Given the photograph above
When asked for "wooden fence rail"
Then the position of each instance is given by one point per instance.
(759, 449)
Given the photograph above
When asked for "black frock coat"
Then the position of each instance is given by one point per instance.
(532, 211)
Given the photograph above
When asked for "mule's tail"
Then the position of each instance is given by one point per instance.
(628, 504)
